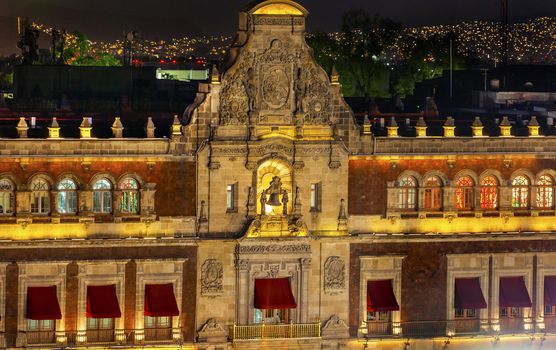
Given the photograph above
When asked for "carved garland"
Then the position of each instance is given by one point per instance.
(274, 248)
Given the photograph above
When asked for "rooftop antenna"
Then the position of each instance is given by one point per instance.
(129, 38)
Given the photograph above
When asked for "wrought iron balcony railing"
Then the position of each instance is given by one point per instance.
(275, 331)
(122, 337)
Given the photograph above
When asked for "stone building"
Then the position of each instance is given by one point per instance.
(270, 218)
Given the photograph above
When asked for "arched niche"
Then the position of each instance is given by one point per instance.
(266, 171)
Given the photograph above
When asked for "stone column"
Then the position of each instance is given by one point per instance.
(242, 296)
(304, 291)
(23, 202)
(449, 198)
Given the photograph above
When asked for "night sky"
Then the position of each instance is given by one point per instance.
(107, 19)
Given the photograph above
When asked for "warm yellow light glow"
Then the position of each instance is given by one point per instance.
(449, 131)
(505, 131)
(392, 131)
(278, 9)
(421, 131)
(533, 130)
(477, 131)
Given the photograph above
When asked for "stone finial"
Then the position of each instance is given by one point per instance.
(214, 75)
(176, 126)
(54, 129)
(421, 127)
(117, 128)
(477, 127)
(22, 128)
(150, 128)
(367, 125)
(85, 129)
(334, 76)
(392, 129)
(505, 127)
(449, 127)
(533, 126)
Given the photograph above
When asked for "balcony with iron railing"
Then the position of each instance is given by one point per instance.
(263, 332)
(103, 337)
(457, 327)
(275, 331)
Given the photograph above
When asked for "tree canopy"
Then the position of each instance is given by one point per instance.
(78, 52)
(358, 53)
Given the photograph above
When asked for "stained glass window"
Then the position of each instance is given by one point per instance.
(408, 193)
(129, 196)
(545, 192)
(40, 196)
(102, 196)
(464, 193)
(67, 196)
(6, 197)
(433, 193)
(489, 193)
(520, 192)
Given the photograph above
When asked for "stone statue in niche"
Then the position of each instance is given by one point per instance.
(285, 203)
(334, 275)
(263, 202)
(274, 191)
(299, 91)
(250, 89)
(211, 278)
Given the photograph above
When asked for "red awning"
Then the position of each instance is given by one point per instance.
(380, 296)
(102, 302)
(468, 294)
(550, 290)
(160, 300)
(274, 293)
(42, 303)
(513, 292)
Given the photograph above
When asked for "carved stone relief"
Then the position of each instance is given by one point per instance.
(335, 327)
(212, 332)
(211, 278)
(334, 275)
(276, 83)
(275, 87)
(274, 249)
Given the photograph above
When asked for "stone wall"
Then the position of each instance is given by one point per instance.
(461, 145)
(174, 178)
(368, 177)
(83, 254)
(424, 270)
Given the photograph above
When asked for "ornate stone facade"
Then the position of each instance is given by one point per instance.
(271, 177)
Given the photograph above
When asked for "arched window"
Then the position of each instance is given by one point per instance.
(129, 196)
(102, 196)
(6, 197)
(40, 196)
(408, 193)
(545, 192)
(464, 193)
(489, 193)
(520, 192)
(67, 197)
(433, 193)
